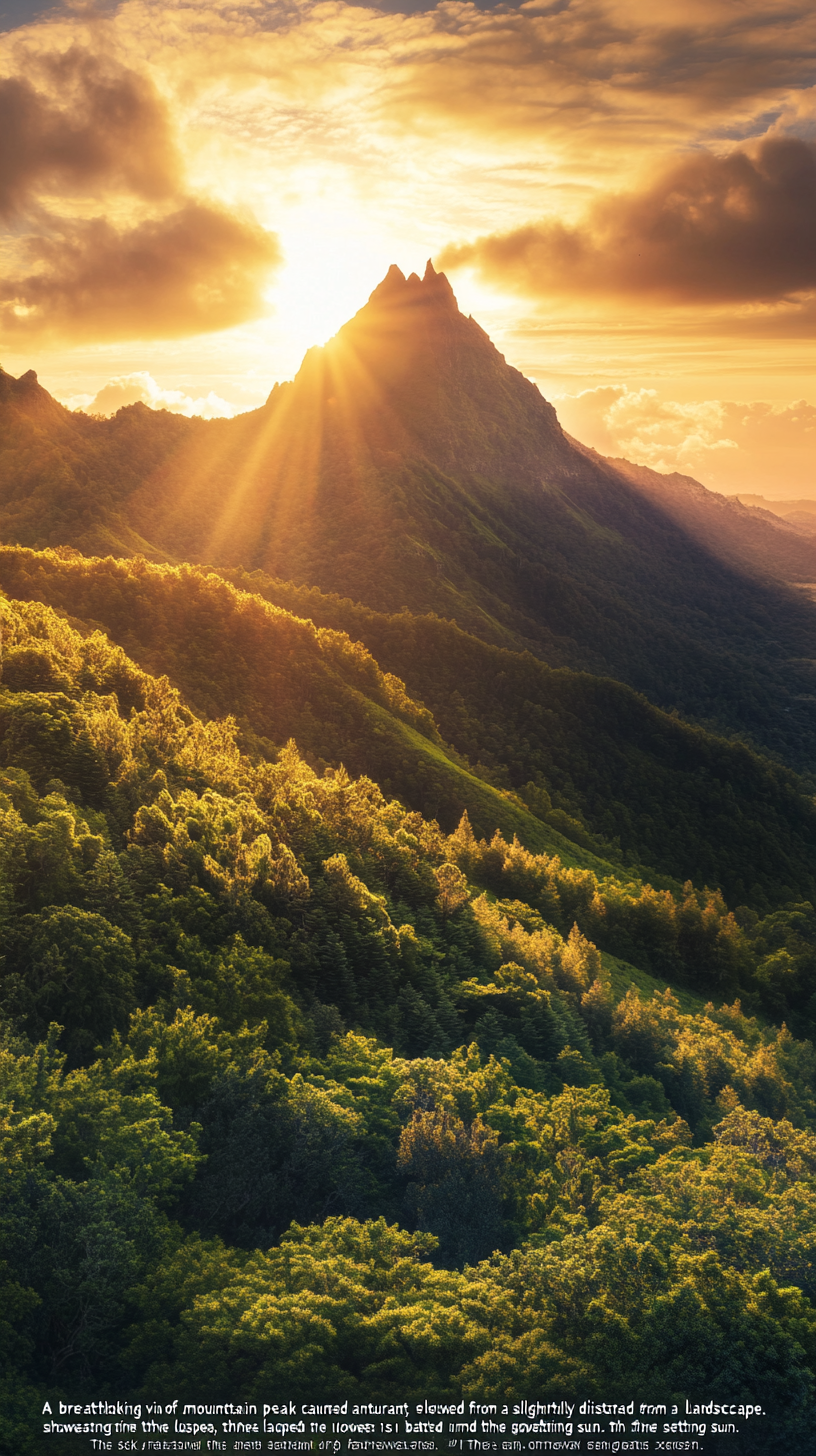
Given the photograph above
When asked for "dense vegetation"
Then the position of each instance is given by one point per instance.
(538, 752)
(339, 1103)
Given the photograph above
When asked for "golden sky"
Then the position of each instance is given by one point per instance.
(623, 193)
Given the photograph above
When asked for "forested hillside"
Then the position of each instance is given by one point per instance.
(520, 746)
(282, 996)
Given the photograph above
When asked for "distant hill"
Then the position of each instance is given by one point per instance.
(746, 533)
(409, 467)
(800, 513)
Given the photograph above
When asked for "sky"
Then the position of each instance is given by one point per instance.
(622, 193)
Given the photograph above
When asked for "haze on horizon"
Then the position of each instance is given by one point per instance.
(623, 195)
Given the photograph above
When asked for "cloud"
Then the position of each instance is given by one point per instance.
(105, 239)
(727, 444)
(88, 121)
(397, 133)
(708, 230)
(637, 424)
(195, 271)
(604, 74)
(141, 388)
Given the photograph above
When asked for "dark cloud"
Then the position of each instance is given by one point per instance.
(81, 122)
(606, 77)
(195, 271)
(710, 230)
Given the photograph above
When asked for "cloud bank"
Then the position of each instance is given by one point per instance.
(89, 120)
(197, 270)
(734, 229)
(141, 388)
(105, 240)
(728, 445)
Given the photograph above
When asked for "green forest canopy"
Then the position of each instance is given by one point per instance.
(300, 1088)
(539, 752)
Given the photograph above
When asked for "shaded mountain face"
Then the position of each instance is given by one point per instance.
(745, 535)
(408, 466)
(410, 375)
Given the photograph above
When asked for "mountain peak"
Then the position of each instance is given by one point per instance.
(393, 282)
(27, 394)
(396, 290)
(410, 377)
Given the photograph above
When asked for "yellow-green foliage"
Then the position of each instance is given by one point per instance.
(576, 764)
(299, 1091)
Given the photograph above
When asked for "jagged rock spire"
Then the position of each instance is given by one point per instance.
(433, 287)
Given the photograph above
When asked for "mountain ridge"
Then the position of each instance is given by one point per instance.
(408, 466)
(772, 544)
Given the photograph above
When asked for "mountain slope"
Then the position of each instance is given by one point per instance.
(279, 676)
(679, 800)
(748, 536)
(626, 770)
(408, 465)
(211, 1186)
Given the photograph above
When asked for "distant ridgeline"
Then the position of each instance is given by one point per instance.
(390, 1009)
